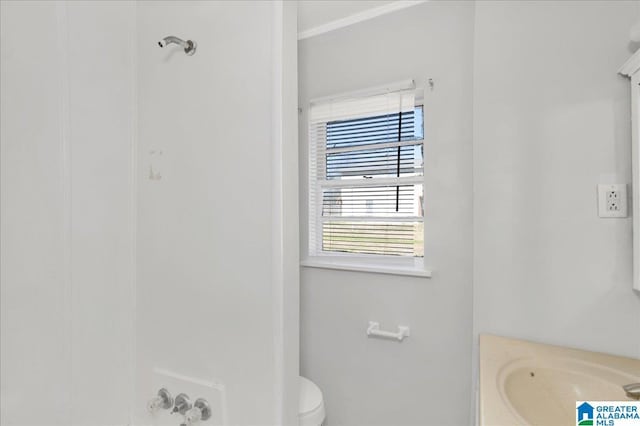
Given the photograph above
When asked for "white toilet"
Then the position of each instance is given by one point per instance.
(311, 408)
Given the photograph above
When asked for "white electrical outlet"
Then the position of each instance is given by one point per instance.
(612, 200)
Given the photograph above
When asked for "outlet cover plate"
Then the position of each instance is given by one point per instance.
(612, 200)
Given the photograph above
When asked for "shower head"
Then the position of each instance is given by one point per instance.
(189, 46)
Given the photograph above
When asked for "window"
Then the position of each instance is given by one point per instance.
(366, 174)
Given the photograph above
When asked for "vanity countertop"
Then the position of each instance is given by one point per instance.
(529, 383)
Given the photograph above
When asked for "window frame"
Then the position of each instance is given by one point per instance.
(361, 262)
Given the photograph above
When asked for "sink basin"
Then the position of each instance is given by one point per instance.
(544, 392)
(528, 383)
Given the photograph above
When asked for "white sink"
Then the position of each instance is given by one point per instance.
(529, 383)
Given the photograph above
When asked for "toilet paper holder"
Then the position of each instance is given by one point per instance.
(374, 330)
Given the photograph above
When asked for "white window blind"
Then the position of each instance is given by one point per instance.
(366, 176)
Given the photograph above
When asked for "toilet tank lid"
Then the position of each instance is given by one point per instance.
(310, 396)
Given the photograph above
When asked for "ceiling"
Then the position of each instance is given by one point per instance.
(314, 13)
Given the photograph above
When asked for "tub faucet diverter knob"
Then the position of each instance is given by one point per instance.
(182, 404)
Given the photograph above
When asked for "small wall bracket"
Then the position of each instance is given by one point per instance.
(374, 331)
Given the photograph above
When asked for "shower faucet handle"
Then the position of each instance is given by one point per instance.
(163, 400)
(201, 411)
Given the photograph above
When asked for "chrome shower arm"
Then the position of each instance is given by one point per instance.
(189, 46)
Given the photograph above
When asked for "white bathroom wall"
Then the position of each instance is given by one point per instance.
(66, 264)
(213, 260)
(377, 382)
(552, 120)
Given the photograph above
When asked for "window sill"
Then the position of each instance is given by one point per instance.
(360, 267)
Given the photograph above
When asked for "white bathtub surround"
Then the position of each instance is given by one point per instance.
(67, 210)
(217, 267)
(188, 259)
(529, 383)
